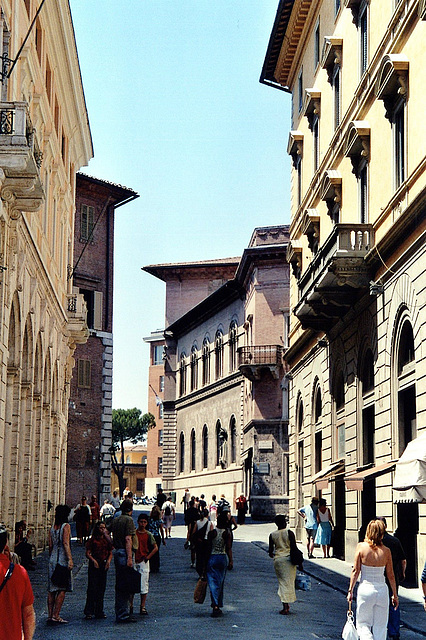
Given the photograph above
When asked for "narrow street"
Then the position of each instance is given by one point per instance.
(251, 603)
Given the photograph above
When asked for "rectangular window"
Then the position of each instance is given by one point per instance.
(161, 383)
(157, 354)
(89, 298)
(336, 95)
(286, 329)
(300, 89)
(160, 411)
(399, 144)
(160, 466)
(84, 374)
(86, 222)
(363, 37)
(363, 195)
(160, 437)
(299, 180)
(140, 485)
(318, 451)
(315, 133)
(317, 46)
(336, 7)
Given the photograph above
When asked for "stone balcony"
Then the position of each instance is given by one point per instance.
(253, 361)
(20, 159)
(77, 318)
(337, 276)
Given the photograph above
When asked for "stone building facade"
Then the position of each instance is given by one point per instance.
(225, 410)
(357, 248)
(90, 406)
(135, 470)
(44, 140)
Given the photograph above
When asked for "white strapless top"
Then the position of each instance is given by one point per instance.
(372, 574)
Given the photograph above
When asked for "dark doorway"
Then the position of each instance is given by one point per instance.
(406, 532)
(338, 539)
(368, 506)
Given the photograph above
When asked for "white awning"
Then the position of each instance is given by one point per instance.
(409, 483)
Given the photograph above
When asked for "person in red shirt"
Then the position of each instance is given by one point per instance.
(146, 549)
(99, 552)
(16, 597)
(96, 511)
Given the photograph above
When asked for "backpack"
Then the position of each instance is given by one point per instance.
(167, 511)
(223, 505)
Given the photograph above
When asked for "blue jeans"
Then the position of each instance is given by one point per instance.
(122, 599)
(394, 620)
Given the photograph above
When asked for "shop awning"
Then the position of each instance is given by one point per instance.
(322, 478)
(355, 481)
(409, 483)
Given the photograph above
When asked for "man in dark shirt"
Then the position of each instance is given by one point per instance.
(161, 498)
(191, 516)
(399, 563)
(123, 530)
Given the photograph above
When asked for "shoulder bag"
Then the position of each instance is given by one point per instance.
(296, 556)
(61, 575)
(7, 576)
(349, 630)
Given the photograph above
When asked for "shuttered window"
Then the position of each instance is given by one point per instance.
(84, 373)
(86, 224)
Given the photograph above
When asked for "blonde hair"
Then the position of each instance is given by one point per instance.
(375, 532)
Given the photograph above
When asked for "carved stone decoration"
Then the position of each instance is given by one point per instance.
(354, 6)
(312, 108)
(331, 55)
(295, 146)
(357, 143)
(392, 81)
(311, 229)
(331, 191)
(21, 195)
(422, 9)
(294, 257)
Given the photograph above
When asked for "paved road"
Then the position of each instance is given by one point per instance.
(251, 603)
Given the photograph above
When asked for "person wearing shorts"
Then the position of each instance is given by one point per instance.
(309, 514)
(147, 547)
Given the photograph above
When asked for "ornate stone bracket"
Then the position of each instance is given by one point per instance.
(20, 193)
(312, 105)
(294, 257)
(357, 143)
(392, 81)
(311, 228)
(331, 55)
(354, 6)
(295, 146)
(331, 191)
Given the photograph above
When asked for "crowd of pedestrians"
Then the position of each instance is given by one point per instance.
(109, 533)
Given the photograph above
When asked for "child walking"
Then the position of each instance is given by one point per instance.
(147, 547)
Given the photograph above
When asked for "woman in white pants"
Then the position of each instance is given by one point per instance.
(372, 560)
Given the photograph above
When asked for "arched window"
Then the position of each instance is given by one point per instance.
(406, 382)
(233, 345)
(233, 432)
(205, 447)
(194, 368)
(368, 413)
(193, 450)
(206, 361)
(317, 405)
(182, 375)
(181, 453)
(218, 349)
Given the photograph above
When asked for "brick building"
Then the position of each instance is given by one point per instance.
(90, 406)
(154, 471)
(225, 402)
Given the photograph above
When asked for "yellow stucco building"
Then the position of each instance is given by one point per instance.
(355, 72)
(44, 140)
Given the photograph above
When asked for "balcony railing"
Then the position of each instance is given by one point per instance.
(77, 318)
(20, 157)
(335, 278)
(252, 361)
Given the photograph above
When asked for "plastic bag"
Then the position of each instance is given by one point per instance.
(349, 631)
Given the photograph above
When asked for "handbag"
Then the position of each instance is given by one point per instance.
(303, 581)
(200, 591)
(128, 580)
(296, 556)
(349, 631)
(61, 576)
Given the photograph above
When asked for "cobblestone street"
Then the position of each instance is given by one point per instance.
(251, 603)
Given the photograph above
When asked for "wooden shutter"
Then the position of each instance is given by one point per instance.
(84, 373)
(97, 310)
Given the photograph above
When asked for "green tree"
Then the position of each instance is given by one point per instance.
(127, 424)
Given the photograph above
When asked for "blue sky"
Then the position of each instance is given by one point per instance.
(177, 113)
